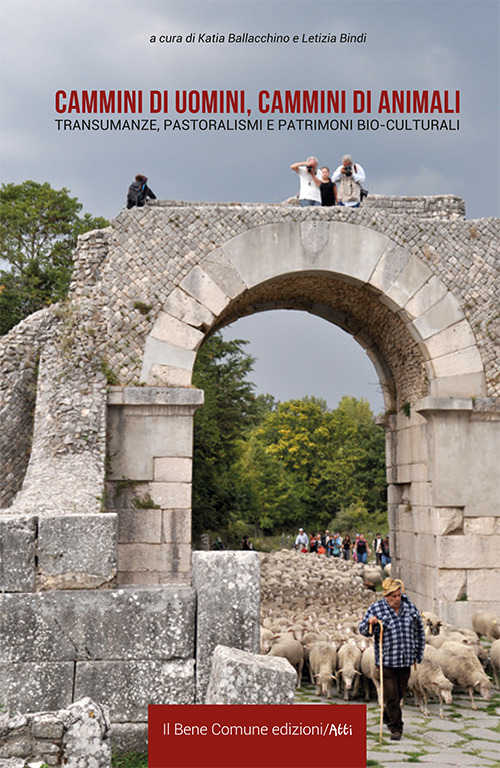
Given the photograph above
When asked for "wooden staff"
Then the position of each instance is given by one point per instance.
(381, 667)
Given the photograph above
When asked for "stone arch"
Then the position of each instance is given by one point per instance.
(255, 270)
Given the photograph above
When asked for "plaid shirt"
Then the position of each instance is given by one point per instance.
(403, 640)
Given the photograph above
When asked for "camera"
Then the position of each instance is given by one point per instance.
(310, 168)
(348, 170)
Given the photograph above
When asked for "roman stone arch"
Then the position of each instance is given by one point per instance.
(410, 279)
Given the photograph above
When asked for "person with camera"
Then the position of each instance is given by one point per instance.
(309, 192)
(349, 178)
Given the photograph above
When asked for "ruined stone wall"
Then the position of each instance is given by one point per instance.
(76, 736)
(148, 251)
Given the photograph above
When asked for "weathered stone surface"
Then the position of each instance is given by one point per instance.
(78, 736)
(239, 677)
(33, 686)
(130, 687)
(77, 551)
(228, 592)
(87, 740)
(143, 623)
(17, 553)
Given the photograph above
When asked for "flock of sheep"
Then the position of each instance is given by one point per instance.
(311, 606)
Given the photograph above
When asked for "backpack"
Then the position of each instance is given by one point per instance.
(135, 194)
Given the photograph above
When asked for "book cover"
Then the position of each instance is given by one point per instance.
(213, 101)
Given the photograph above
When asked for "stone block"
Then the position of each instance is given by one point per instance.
(177, 333)
(222, 271)
(412, 277)
(443, 314)
(139, 526)
(388, 267)
(480, 526)
(142, 623)
(177, 526)
(87, 739)
(128, 688)
(352, 251)
(171, 495)
(154, 558)
(483, 584)
(228, 594)
(463, 361)
(452, 584)
(429, 294)
(453, 338)
(462, 385)
(449, 521)
(480, 550)
(188, 310)
(36, 686)
(166, 376)
(129, 737)
(205, 290)
(239, 677)
(77, 551)
(17, 553)
(162, 353)
(172, 469)
(139, 434)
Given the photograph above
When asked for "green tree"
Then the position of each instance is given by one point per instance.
(39, 227)
(305, 464)
(230, 408)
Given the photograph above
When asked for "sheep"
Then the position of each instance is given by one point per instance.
(461, 665)
(266, 640)
(322, 664)
(432, 622)
(370, 672)
(428, 679)
(290, 649)
(348, 666)
(495, 659)
(486, 623)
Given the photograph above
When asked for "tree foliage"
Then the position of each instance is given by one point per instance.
(39, 227)
(278, 465)
(304, 464)
(231, 407)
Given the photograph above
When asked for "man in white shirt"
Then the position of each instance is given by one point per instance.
(302, 541)
(309, 193)
(349, 178)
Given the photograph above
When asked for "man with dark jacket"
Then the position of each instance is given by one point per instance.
(139, 191)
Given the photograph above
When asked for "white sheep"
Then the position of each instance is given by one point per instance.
(370, 672)
(266, 640)
(428, 679)
(432, 623)
(486, 623)
(348, 668)
(322, 665)
(495, 659)
(290, 649)
(461, 665)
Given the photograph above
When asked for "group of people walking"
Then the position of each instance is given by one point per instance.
(335, 545)
(319, 187)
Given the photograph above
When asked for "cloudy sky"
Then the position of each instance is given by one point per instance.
(444, 45)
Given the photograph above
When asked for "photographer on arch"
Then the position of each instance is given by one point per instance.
(349, 178)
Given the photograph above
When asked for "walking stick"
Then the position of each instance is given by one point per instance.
(381, 677)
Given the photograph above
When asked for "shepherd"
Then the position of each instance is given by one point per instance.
(402, 644)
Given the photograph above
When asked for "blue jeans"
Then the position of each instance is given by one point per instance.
(363, 558)
(304, 202)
